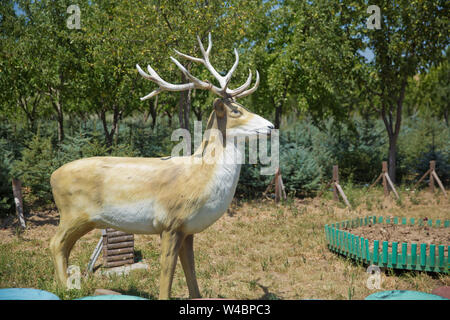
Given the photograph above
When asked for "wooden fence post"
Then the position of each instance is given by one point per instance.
(277, 186)
(387, 183)
(433, 177)
(432, 168)
(384, 172)
(335, 181)
(98, 249)
(17, 193)
(280, 191)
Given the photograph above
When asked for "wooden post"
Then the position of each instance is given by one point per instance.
(335, 182)
(280, 182)
(325, 189)
(384, 172)
(96, 253)
(378, 179)
(435, 176)
(432, 168)
(277, 186)
(391, 185)
(280, 193)
(420, 180)
(339, 188)
(17, 192)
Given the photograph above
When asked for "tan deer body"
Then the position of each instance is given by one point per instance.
(175, 197)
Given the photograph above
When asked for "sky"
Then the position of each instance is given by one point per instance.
(368, 54)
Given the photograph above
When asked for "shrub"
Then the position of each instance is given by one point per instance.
(300, 171)
(34, 169)
(6, 195)
(358, 149)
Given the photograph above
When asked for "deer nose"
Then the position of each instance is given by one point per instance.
(271, 127)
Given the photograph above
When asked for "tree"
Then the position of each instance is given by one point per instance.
(412, 38)
(115, 38)
(19, 75)
(430, 92)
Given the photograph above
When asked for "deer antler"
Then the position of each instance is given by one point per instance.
(195, 83)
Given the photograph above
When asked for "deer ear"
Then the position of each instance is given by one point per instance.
(221, 116)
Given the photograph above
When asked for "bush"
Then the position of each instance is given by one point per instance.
(6, 194)
(301, 157)
(34, 169)
(358, 149)
(300, 170)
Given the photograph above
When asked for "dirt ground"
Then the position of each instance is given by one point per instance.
(404, 233)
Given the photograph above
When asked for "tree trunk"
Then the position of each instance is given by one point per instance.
(446, 116)
(108, 136)
(279, 106)
(388, 113)
(278, 113)
(24, 103)
(392, 158)
(169, 117)
(152, 111)
(114, 132)
(60, 118)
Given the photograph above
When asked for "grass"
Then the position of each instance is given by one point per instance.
(261, 251)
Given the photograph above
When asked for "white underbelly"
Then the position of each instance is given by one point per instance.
(145, 217)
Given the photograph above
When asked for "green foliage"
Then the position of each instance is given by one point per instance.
(150, 143)
(308, 55)
(35, 167)
(251, 183)
(358, 148)
(300, 170)
(6, 196)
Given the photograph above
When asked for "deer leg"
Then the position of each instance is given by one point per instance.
(62, 243)
(170, 246)
(187, 261)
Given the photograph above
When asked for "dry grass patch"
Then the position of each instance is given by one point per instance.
(259, 250)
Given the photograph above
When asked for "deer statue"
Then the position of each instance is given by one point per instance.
(171, 196)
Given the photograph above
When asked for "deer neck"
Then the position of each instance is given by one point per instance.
(224, 160)
(220, 189)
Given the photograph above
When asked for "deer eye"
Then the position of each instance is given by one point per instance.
(235, 112)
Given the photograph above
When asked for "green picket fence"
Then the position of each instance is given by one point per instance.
(392, 254)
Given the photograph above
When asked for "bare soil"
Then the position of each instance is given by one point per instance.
(404, 233)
